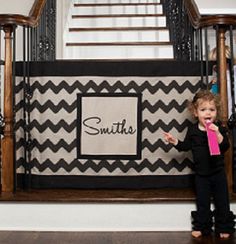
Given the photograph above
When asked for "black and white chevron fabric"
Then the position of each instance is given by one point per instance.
(53, 113)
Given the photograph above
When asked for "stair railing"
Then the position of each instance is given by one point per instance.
(8, 23)
(221, 23)
(181, 30)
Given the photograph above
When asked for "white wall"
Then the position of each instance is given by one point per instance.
(15, 6)
(216, 6)
(22, 7)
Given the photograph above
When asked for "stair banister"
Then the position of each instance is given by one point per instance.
(222, 22)
(8, 22)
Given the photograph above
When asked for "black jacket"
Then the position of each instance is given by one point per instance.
(196, 140)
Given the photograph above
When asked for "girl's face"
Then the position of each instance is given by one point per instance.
(205, 111)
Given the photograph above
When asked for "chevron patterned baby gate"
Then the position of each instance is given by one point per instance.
(133, 103)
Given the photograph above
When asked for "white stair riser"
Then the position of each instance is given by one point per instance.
(116, 1)
(119, 52)
(119, 36)
(119, 22)
(95, 10)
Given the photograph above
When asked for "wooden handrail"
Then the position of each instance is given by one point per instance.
(30, 20)
(198, 21)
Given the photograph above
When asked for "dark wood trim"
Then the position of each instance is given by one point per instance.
(30, 20)
(103, 196)
(118, 43)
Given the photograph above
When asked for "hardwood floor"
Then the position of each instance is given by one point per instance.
(14, 237)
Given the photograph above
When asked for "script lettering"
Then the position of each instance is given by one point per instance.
(92, 128)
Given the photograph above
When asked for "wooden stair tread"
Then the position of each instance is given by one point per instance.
(74, 16)
(118, 43)
(117, 28)
(112, 4)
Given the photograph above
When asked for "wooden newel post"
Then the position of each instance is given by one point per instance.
(223, 74)
(224, 98)
(7, 141)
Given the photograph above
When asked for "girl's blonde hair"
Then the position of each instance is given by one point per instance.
(205, 95)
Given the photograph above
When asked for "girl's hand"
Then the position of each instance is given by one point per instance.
(170, 139)
(215, 128)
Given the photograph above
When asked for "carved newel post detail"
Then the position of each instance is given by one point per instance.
(7, 141)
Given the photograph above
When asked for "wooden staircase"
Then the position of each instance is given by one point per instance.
(117, 29)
